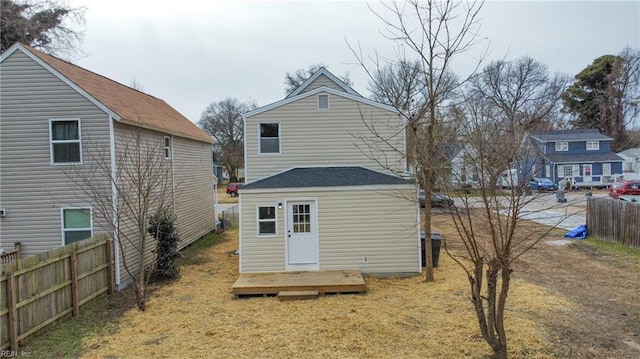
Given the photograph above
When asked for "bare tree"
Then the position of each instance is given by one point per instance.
(491, 116)
(434, 33)
(139, 184)
(223, 121)
(48, 25)
(295, 79)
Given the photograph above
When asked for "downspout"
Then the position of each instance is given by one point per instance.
(114, 200)
(173, 176)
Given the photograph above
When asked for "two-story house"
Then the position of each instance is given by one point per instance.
(57, 119)
(322, 189)
(582, 156)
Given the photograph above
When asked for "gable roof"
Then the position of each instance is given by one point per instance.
(323, 72)
(124, 104)
(316, 91)
(569, 135)
(326, 177)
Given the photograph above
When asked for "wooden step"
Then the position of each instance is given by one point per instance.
(297, 294)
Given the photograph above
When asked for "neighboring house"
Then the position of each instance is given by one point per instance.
(631, 159)
(582, 156)
(462, 165)
(320, 191)
(54, 117)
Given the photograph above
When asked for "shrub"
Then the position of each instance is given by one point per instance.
(162, 228)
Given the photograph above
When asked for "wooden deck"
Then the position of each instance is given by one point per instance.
(333, 281)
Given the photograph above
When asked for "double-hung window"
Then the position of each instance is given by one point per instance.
(167, 147)
(593, 145)
(269, 137)
(65, 143)
(562, 146)
(267, 221)
(76, 224)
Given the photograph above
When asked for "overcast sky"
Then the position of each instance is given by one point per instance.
(191, 53)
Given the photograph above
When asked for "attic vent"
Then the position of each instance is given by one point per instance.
(323, 102)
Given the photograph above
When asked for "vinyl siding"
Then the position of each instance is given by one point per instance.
(194, 200)
(189, 187)
(380, 224)
(312, 137)
(31, 189)
(322, 80)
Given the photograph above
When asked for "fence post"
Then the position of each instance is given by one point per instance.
(110, 270)
(73, 260)
(17, 246)
(12, 289)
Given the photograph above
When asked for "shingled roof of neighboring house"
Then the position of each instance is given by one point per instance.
(326, 177)
(569, 135)
(583, 157)
(131, 106)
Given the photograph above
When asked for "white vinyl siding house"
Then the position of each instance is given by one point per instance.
(354, 244)
(333, 185)
(56, 118)
(334, 137)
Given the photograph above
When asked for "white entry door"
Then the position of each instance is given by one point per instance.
(302, 234)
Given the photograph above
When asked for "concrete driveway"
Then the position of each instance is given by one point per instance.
(544, 208)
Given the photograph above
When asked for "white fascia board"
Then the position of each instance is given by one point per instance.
(314, 92)
(60, 76)
(379, 188)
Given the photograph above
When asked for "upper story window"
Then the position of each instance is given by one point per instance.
(269, 138)
(66, 147)
(167, 147)
(323, 102)
(76, 224)
(593, 145)
(562, 146)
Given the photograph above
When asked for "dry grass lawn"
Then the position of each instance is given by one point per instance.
(197, 317)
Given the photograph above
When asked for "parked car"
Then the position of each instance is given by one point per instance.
(542, 184)
(437, 200)
(232, 189)
(624, 188)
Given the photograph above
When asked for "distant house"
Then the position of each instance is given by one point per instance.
(582, 156)
(631, 159)
(314, 196)
(56, 116)
(462, 163)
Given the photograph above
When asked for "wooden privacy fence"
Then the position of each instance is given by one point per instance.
(614, 220)
(40, 290)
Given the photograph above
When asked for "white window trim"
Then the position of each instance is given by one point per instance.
(328, 103)
(51, 142)
(167, 149)
(258, 221)
(608, 167)
(279, 139)
(595, 148)
(583, 172)
(561, 146)
(63, 230)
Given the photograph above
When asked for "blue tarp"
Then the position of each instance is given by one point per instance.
(579, 233)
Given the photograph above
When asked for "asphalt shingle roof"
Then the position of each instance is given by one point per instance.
(569, 135)
(134, 107)
(326, 177)
(584, 157)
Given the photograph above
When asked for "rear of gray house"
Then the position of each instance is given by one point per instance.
(54, 117)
